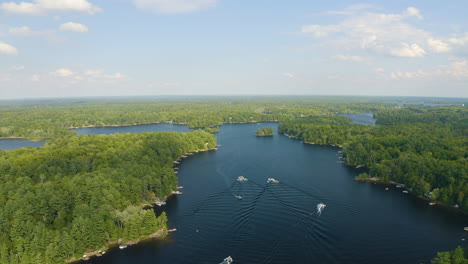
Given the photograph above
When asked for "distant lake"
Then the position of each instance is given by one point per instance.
(278, 223)
(362, 118)
(14, 143)
(132, 129)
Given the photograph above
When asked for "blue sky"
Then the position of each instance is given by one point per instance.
(65, 48)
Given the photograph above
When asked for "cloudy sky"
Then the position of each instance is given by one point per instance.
(65, 48)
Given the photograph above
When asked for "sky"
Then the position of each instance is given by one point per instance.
(80, 48)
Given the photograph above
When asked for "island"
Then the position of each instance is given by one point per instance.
(264, 132)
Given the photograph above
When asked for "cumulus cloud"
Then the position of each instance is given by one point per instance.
(385, 34)
(174, 6)
(438, 46)
(7, 49)
(348, 58)
(21, 31)
(412, 11)
(458, 69)
(42, 7)
(74, 27)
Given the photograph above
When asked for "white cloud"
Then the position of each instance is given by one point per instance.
(288, 75)
(7, 49)
(412, 11)
(17, 67)
(62, 72)
(42, 7)
(462, 40)
(385, 34)
(75, 27)
(457, 70)
(406, 50)
(438, 46)
(21, 31)
(99, 74)
(348, 58)
(174, 6)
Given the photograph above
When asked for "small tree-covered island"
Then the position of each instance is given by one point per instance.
(264, 132)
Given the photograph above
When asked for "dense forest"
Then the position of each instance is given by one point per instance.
(39, 120)
(264, 132)
(79, 193)
(424, 148)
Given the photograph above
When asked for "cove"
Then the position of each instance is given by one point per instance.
(278, 223)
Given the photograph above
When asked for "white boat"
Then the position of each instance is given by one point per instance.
(160, 203)
(238, 196)
(272, 180)
(123, 246)
(227, 260)
(242, 179)
(176, 192)
(405, 191)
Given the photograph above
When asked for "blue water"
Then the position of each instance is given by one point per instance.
(14, 143)
(362, 118)
(277, 223)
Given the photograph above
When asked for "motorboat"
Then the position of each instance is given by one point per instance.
(227, 260)
(242, 179)
(272, 180)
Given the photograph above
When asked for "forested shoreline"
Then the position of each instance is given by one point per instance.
(48, 120)
(422, 147)
(78, 194)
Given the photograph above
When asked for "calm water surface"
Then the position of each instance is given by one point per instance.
(14, 143)
(362, 118)
(277, 223)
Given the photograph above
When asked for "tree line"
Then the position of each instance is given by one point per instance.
(79, 193)
(421, 147)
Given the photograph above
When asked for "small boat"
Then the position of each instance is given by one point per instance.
(386, 189)
(431, 203)
(400, 185)
(172, 230)
(405, 191)
(160, 203)
(227, 260)
(123, 246)
(466, 228)
(180, 187)
(176, 192)
(272, 180)
(176, 168)
(242, 179)
(238, 196)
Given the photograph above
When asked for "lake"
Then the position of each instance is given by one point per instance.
(14, 143)
(278, 222)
